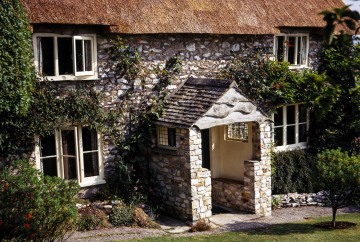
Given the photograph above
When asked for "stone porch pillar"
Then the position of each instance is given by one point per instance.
(200, 179)
(257, 177)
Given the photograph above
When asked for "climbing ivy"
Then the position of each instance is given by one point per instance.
(132, 119)
(269, 83)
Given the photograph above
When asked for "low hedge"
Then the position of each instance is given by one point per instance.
(293, 171)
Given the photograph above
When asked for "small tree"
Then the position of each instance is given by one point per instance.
(339, 177)
(335, 122)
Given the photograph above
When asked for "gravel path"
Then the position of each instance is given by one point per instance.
(240, 222)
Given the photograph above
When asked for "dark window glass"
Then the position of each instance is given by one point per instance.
(68, 142)
(278, 117)
(290, 135)
(172, 137)
(70, 168)
(290, 115)
(48, 146)
(91, 164)
(88, 55)
(89, 139)
(278, 136)
(65, 56)
(46, 56)
(280, 48)
(48, 166)
(291, 50)
(79, 55)
(302, 113)
(302, 133)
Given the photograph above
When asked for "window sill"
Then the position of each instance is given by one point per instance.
(94, 183)
(70, 78)
(162, 150)
(299, 67)
(290, 147)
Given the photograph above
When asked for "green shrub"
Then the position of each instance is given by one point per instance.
(122, 215)
(34, 206)
(293, 171)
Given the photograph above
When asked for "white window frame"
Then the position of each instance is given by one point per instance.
(78, 75)
(81, 179)
(158, 135)
(297, 144)
(286, 36)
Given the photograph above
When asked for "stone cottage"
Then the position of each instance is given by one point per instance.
(212, 142)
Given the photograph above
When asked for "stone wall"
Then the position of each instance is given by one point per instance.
(179, 179)
(229, 193)
(170, 176)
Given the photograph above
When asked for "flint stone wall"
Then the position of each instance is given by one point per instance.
(179, 179)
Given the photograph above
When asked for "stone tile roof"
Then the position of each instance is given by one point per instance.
(192, 100)
(182, 16)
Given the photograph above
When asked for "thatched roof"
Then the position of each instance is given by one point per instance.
(182, 16)
(207, 103)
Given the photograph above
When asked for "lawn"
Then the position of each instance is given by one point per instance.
(304, 231)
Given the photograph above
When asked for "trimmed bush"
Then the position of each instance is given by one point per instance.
(293, 171)
(34, 206)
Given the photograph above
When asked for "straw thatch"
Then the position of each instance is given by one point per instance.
(182, 16)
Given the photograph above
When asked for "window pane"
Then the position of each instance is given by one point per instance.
(65, 56)
(280, 48)
(303, 50)
(278, 136)
(278, 117)
(172, 137)
(290, 115)
(68, 142)
(302, 133)
(163, 136)
(88, 55)
(79, 55)
(46, 56)
(47, 146)
(291, 50)
(290, 135)
(91, 164)
(302, 113)
(48, 166)
(69, 168)
(89, 139)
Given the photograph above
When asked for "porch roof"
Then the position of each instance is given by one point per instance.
(207, 103)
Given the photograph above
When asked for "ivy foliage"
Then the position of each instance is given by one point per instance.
(17, 74)
(52, 108)
(269, 83)
(132, 120)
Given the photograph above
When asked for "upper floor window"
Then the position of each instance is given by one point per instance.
(292, 48)
(72, 153)
(166, 137)
(237, 132)
(63, 57)
(290, 126)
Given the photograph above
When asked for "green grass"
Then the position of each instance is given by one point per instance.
(304, 231)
